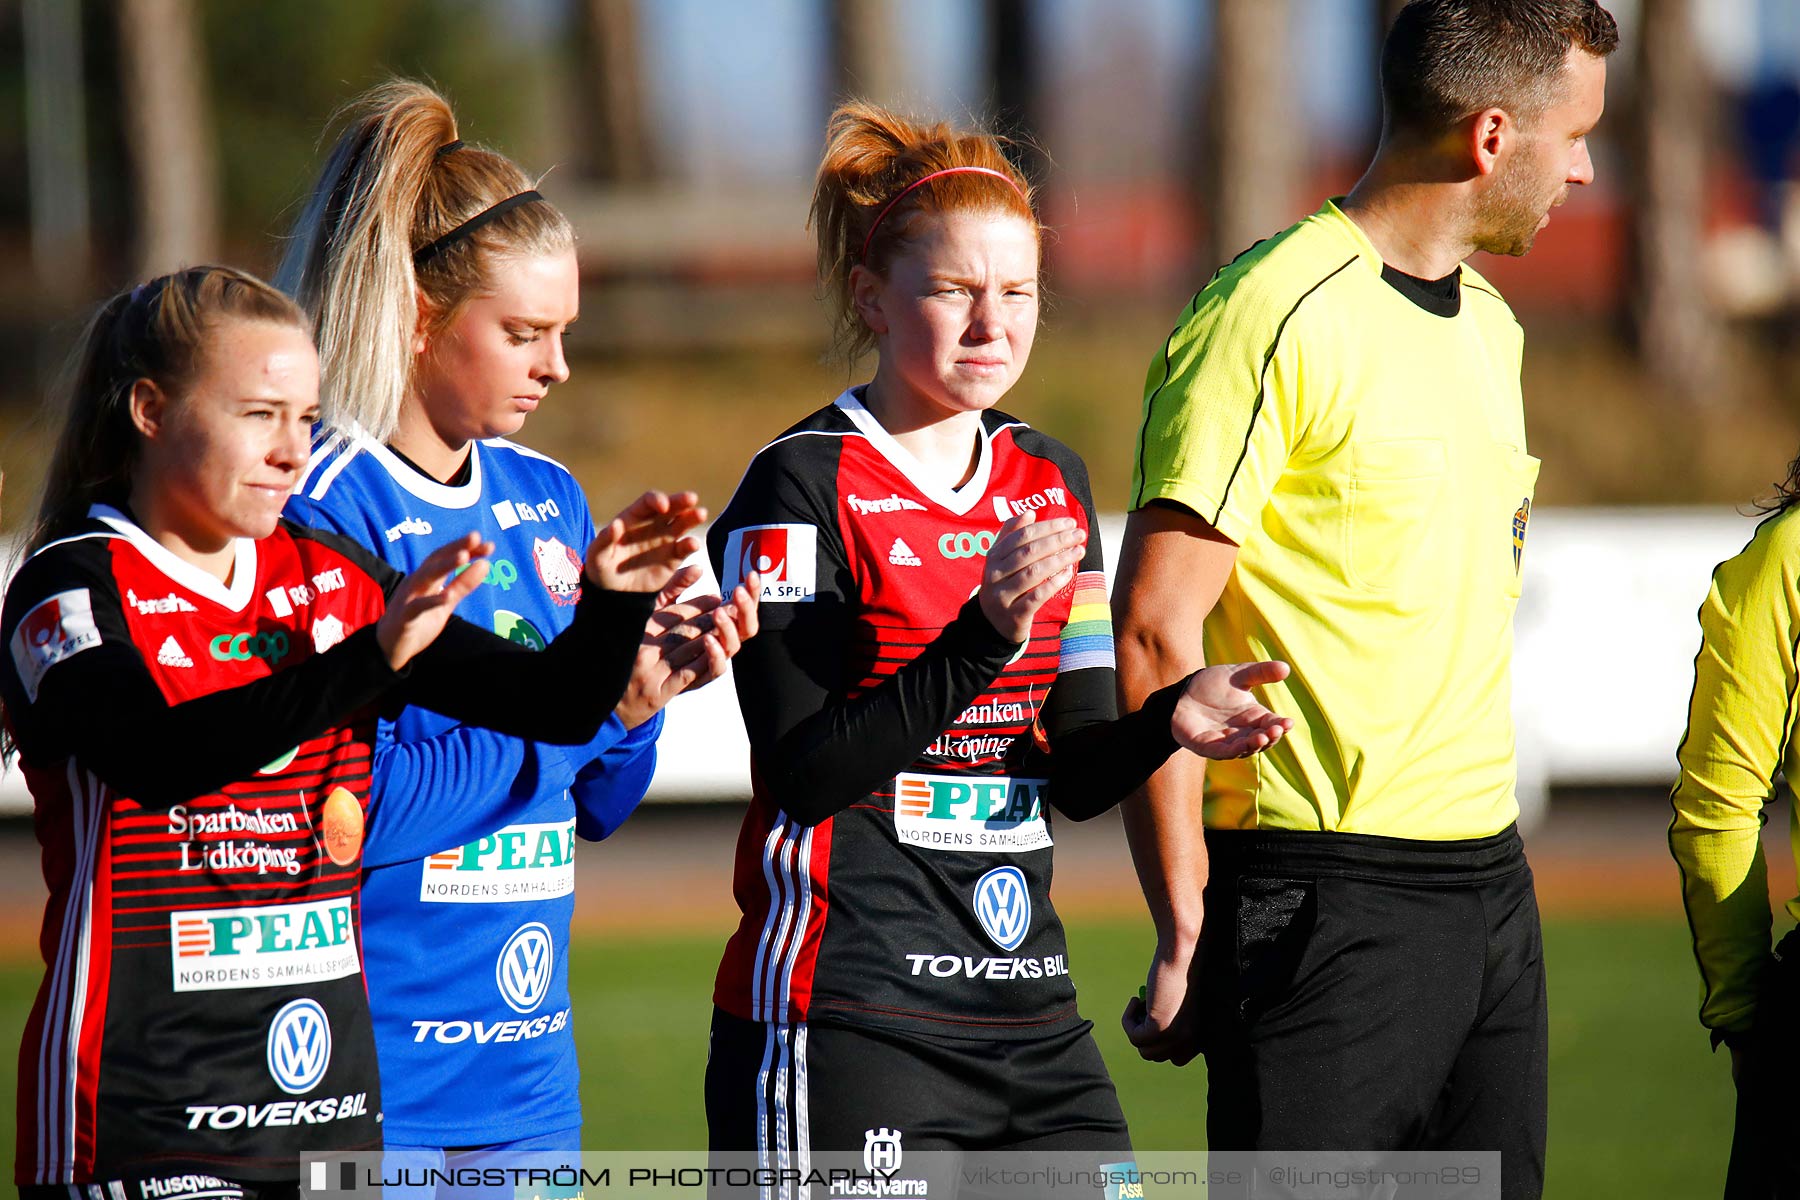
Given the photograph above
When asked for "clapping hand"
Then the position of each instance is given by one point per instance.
(687, 644)
(1029, 562)
(641, 549)
(421, 606)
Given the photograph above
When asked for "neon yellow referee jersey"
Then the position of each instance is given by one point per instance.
(1740, 734)
(1368, 458)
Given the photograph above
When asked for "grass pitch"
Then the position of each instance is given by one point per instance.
(1637, 1106)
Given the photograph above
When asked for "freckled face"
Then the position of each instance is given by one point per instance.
(955, 317)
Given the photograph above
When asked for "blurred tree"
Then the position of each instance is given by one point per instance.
(168, 133)
(1251, 155)
(1673, 324)
(865, 53)
(56, 140)
(1012, 65)
(1013, 69)
(617, 146)
(281, 69)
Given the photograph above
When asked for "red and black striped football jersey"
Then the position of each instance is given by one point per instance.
(920, 898)
(199, 758)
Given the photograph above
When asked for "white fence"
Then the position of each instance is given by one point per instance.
(1605, 643)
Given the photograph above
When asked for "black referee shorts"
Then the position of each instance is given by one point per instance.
(783, 1090)
(1765, 1154)
(1366, 993)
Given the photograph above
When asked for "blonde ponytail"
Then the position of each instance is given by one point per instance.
(397, 180)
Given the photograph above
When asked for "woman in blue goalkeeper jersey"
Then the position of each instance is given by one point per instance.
(442, 284)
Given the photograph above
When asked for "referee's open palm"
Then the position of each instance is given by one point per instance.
(1218, 717)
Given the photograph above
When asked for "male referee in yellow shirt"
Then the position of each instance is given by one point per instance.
(1332, 472)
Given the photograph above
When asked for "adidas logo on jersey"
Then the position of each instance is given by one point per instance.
(901, 555)
(172, 655)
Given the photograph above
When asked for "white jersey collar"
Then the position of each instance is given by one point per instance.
(958, 500)
(184, 573)
(444, 495)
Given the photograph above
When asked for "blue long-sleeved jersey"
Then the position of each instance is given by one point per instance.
(469, 887)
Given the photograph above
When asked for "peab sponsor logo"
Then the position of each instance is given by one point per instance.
(220, 948)
(970, 814)
(894, 503)
(784, 557)
(519, 862)
(1053, 497)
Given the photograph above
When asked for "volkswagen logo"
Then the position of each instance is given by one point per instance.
(526, 963)
(1003, 905)
(299, 1046)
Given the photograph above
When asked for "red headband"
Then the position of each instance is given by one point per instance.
(921, 181)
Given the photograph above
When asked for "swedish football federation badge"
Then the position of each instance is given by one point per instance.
(1521, 518)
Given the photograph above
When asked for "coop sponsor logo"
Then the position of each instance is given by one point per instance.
(970, 814)
(520, 862)
(218, 948)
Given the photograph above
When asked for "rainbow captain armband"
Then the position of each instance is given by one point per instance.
(1087, 640)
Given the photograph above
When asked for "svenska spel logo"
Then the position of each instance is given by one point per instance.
(784, 558)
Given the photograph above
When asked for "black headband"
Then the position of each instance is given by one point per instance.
(432, 249)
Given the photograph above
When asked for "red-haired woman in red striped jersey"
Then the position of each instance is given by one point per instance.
(934, 674)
